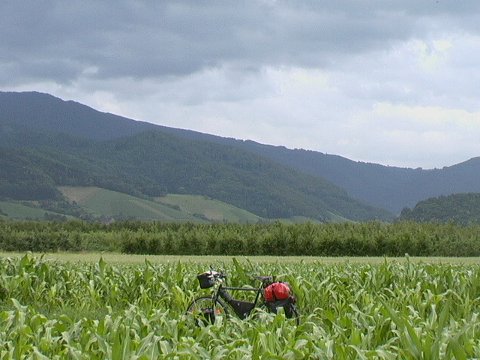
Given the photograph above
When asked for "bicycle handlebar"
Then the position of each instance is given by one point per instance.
(218, 274)
(264, 279)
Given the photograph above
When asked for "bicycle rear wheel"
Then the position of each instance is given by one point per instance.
(289, 309)
(205, 311)
(292, 312)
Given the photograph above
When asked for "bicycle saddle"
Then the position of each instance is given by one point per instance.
(264, 278)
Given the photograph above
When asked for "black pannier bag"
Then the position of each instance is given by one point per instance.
(206, 280)
(242, 308)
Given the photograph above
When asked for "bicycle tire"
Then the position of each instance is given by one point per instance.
(205, 311)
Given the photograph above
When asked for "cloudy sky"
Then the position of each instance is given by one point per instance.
(384, 81)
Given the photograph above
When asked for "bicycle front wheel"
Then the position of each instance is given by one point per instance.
(206, 311)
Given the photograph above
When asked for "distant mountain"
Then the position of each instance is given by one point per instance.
(47, 143)
(458, 208)
(390, 188)
(387, 187)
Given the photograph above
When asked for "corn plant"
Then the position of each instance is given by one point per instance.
(394, 310)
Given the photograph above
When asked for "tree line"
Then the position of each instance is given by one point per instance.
(276, 239)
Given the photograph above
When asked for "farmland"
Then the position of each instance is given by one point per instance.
(384, 309)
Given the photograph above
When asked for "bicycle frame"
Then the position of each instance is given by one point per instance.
(221, 297)
(241, 308)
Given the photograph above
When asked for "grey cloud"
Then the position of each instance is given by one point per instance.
(311, 74)
(136, 39)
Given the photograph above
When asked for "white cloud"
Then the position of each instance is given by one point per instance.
(417, 135)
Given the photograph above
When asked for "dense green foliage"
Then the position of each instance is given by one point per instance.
(459, 208)
(395, 310)
(21, 178)
(344, 239)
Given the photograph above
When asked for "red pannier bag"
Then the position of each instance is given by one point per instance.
(277, 291)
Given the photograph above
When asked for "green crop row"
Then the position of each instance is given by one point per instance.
(343, 239)
(394, 310)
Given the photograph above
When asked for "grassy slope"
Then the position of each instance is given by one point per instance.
(15, 210)
(169, 208)
(102, 202)
(173, 207)
(211, 209)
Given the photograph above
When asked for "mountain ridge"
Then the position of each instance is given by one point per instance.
(42, 111)
(388, 187)
(144, 160)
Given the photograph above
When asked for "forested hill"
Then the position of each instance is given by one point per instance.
(390, 188)
(54, 148)
(458, 208)
(387, 187)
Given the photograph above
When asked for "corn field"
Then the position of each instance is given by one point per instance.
(393, 310)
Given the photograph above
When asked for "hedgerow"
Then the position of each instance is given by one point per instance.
(276, 239)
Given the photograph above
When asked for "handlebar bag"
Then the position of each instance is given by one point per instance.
(206, 280)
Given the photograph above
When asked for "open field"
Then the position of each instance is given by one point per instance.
(371, 309)
(172, 207)
(211, 209)
(117, 258)
(16, 210)
(102, 202)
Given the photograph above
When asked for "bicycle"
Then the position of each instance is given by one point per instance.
(206, 309)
